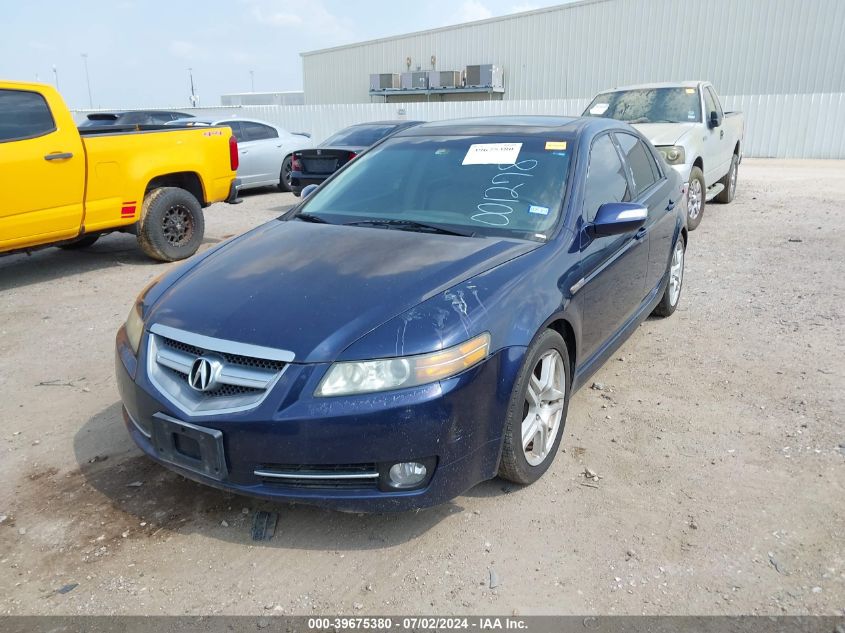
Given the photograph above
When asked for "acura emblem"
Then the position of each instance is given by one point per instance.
(203, 376)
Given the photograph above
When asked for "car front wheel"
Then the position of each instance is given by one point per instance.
(696, 201)
(537, 410)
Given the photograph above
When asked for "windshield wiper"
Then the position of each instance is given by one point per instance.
(412, 225)
(309, 217)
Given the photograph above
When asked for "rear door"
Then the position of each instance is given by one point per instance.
(653, 190)
(614, 267)
(264, 148)
(42, 172)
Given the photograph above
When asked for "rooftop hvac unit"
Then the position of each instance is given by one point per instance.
(484, 76)
(444, 79)
(384, 81)
(414, 81)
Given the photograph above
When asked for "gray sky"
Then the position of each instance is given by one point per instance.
(139, 50)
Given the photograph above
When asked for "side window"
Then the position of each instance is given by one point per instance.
(715, 99)
(640, 161)
(258, 132)
(606, 180)
(24, 114)
(236, 130)
(709, 105)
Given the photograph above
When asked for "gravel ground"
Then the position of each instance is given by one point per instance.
(718, 439)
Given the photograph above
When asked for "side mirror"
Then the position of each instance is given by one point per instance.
(307, 190)
(715, 119)
(616, 218)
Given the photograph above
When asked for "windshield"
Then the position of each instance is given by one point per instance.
(359, 135)
(656, 105)
(484, 185)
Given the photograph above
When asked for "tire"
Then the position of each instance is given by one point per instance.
(284, 175)
(675, 284)
(696, 176)
(83, 242)
(171, 225)
(727, 194)
(521, 462)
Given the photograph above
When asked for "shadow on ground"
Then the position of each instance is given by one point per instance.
(121, 487)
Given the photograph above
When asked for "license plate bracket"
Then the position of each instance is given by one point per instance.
(195, 448)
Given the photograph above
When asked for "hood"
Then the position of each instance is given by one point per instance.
(665, 133)
(314, 289)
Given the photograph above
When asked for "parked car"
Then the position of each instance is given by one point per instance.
(73, 185)
(313, 166)
(417, 324)
(132, 117)
(687, 124)
(265, 150)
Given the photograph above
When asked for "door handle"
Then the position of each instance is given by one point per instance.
(243, 151)
(59, 156)
(671, 205)
(641, 234)
(721, 134)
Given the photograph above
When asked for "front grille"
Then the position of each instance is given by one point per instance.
(242, 374)
(322, 476)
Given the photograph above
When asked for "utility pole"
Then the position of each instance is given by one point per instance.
(56, 76)
(193, 92)
(88, 80)
(252, 80)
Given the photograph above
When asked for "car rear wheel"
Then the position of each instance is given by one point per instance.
(729, 182)
(672, 294)
(172, 224)
(537, 410)
(696, 201)
(284, 176)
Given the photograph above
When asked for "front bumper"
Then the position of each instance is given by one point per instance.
(456, 424)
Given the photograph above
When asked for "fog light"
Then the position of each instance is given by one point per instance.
(407, 474)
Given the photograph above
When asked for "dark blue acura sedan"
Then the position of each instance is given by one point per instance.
(417, 324)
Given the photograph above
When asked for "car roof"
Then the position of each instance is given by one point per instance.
(382, 123)
(218, 120)
(659, 84)
(519, 125)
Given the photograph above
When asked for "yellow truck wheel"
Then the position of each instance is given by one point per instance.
(171, 225)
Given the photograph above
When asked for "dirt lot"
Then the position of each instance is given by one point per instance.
(718, 437)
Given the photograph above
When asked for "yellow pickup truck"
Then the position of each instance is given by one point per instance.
(60, 186)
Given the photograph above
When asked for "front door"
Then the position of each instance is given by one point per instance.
(614, 267)
(42, 173)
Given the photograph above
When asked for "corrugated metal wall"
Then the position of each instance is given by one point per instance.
(745, 47)
(780, 126)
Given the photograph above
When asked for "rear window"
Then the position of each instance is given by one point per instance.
(360, 135)
(24, 114)
(654, 105)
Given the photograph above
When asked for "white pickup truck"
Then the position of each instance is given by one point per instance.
(686, 123)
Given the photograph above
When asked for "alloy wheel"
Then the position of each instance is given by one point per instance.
(543, 408)
(676, 272)
(695, 198)
(178, 225)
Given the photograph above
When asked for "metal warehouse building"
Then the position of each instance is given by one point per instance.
(781, 61)
(745, 47)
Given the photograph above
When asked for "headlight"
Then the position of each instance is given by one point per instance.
(134, 327)
(135, 321)
(672, 154)
(409, 371)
